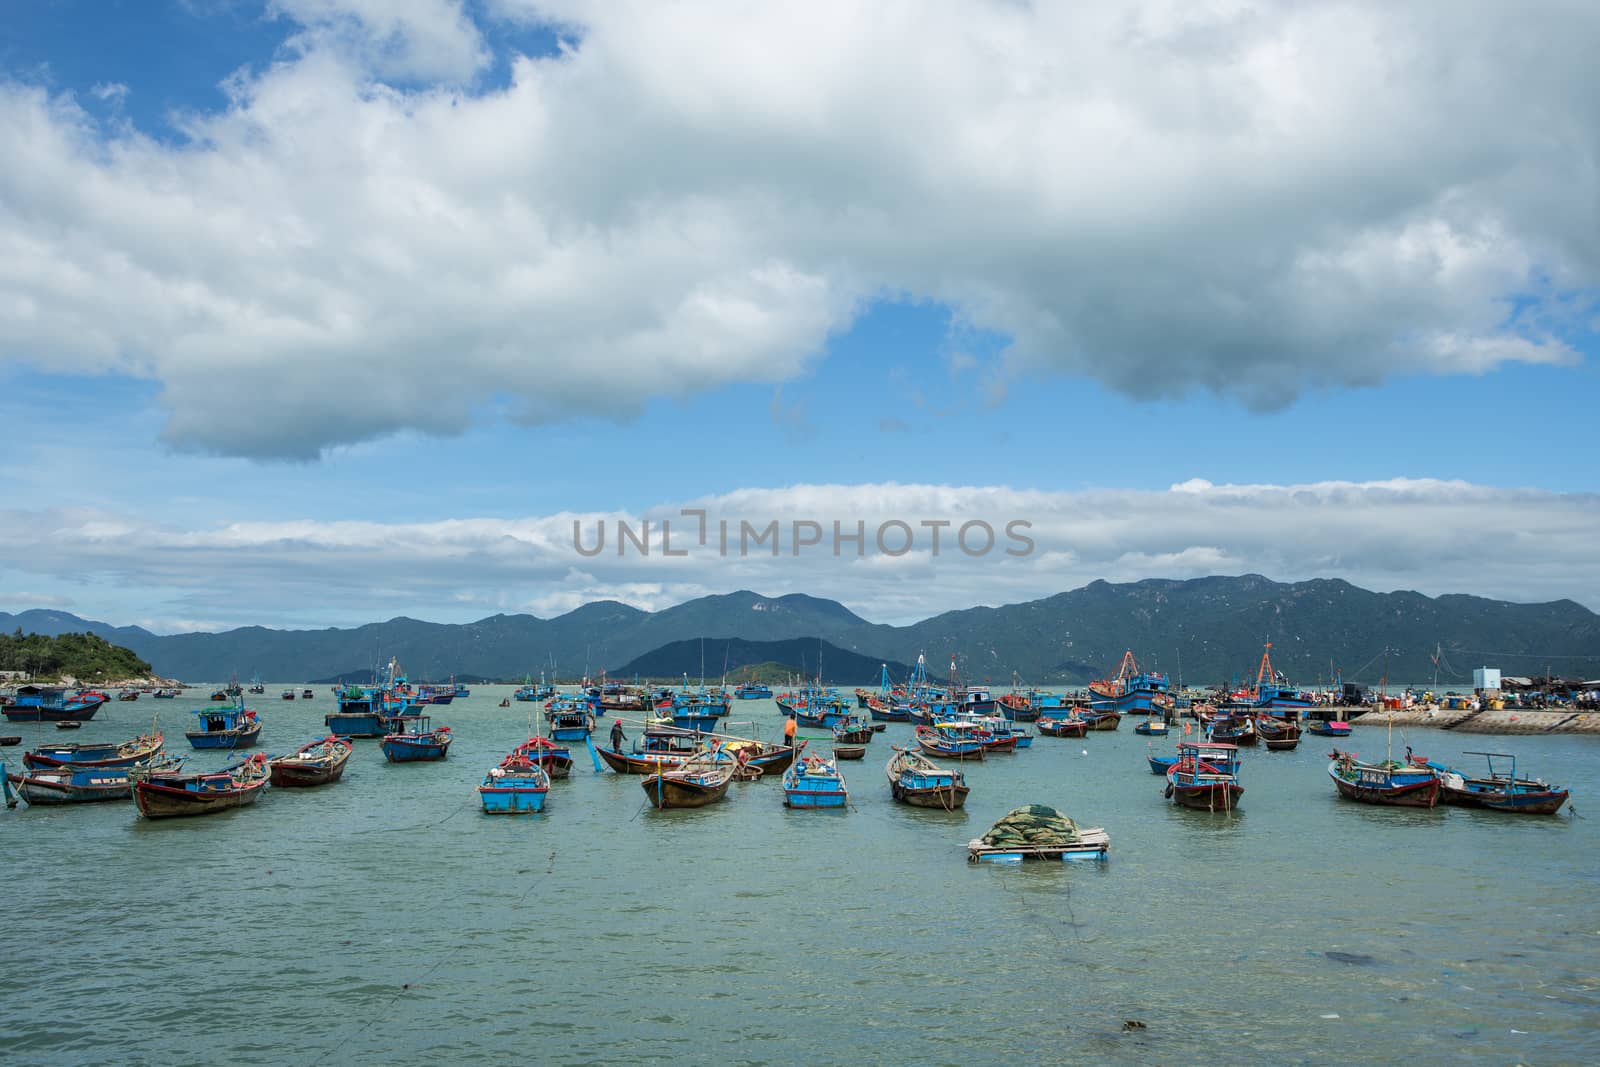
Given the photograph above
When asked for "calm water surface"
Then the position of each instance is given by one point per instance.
(386, 920)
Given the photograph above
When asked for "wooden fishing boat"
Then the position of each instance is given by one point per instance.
(10, 740)
(916, 780)
(1279, 735)
(1202, 778)
(1070, 727)
(945, 741)
(1496, 791)
(232, 726)
(814, 782)
(754, 691)
(128, 694)
(307, 694)
(1328, 728)
(418, 742)
(1154, 726)
(849, 752)
(161, 795)
(82, 785)
(317, 763)
(1234, 730)
(287, 694)
(555, 760)
(1389, 783)
(517, 786)
(1099, 719)
(114, 754)
(852, 730)
(68, 724)
(700, 781)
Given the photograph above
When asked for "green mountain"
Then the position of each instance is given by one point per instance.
(1205, 630)
(83, 656)
(795, 658)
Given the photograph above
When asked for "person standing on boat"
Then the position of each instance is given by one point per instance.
(617, 736)
(789, 727)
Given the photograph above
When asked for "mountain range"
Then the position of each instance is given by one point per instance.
(1202, 630)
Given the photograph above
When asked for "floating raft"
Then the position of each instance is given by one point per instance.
(1092, 844)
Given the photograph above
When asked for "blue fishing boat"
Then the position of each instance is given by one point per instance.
(1499, 790)
(822, 716)
(515, 787)
(814, 782)
(417, 742)
(80, 785)
(52, 703)
(359, 713)
(949, 740)
(1160, 764)
(693, 709)
(225, 726)
(1206, 777)
(112, 754)
(1131, 691)
(1390, 783)
(1154, 726)
(1328, 728)
(976, 700)
(753, 691)
(461, 690)
(570, 718)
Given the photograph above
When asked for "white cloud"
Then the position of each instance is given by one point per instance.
(1432, 536)
(422, 40)
(1251, 199)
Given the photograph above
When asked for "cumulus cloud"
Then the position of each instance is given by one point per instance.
(1432, 536)
(410, 40)
(1251, 199)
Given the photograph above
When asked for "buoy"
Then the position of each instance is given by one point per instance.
(1085, 752)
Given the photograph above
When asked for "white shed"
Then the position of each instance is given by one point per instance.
(1486, 678)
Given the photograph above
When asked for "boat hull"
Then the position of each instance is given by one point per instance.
(225, 739)
(1540, 802)
(666, 791)
(1062, 727)
(1421, 793)
(70, 712)
(65, 787)
(947, 796)
(157, 801)
(408, 749)
(1211, 796)
(513, 799)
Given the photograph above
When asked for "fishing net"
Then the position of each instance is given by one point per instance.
(1034, 825)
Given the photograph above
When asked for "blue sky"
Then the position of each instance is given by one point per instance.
(1127, 346)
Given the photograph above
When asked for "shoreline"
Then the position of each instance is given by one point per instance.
(1493, 721)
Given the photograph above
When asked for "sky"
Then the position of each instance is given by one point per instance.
(314, 312)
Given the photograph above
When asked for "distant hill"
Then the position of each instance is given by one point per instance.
(798, 658)
(1205, 630)
(84, 656)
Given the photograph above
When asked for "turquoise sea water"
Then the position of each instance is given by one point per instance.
(386, 920)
